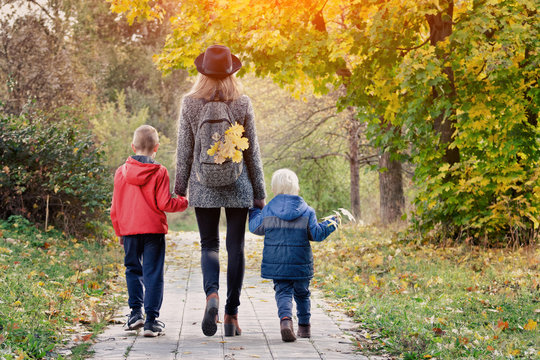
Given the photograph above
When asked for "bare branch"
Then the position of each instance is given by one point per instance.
(323, 156)
(287, 146)
(42, 9)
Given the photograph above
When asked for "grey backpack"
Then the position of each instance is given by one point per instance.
(214, 119)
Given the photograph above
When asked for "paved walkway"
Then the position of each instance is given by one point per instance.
(183, 307)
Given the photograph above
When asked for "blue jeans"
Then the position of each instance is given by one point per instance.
(208, 222)
(144, 261)
(285, 291)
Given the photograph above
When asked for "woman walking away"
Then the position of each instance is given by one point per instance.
(218, 160)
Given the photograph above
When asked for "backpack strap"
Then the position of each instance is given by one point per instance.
(217, 96)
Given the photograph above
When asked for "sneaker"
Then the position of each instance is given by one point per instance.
(154, 328)
(135, 320)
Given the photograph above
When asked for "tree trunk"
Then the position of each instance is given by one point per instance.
(440, 27)
(353, 135)
(391, 196)
(531, 111)
(392, 201)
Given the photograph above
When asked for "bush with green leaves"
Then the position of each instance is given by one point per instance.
(491, 195)
(113, 127)
(51, 165)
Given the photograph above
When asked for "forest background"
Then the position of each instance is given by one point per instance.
(420, 116)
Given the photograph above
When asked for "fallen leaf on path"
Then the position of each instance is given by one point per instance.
(530, 325)
(438, 331)
(376, 261)
(502, 324)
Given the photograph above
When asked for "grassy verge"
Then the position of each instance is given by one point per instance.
(183, 221)
(421, 302)
(55, 292)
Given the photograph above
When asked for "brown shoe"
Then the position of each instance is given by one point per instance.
(230, 325)
(304, 331)
(209, 323)
(287, 331)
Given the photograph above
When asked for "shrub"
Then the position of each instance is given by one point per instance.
(52, 164)
(113, 127)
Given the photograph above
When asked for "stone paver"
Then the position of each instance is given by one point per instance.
(183, 306)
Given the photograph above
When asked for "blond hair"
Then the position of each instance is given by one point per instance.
(285, 181)
(205, 87)
(145, 138)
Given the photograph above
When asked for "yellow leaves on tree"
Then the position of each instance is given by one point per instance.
(383, 52)
(137, 9)
(229, 146)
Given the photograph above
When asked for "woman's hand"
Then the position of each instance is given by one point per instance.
(259, 203)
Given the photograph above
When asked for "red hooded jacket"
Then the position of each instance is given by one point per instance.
(140, 198)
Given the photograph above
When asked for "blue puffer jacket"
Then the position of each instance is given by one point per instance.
(288, 224)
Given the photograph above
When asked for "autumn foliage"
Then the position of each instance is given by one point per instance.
(450, 87)
(229, 145)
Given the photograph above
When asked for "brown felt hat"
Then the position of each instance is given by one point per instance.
(217, 62)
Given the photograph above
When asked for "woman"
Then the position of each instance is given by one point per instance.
(216, 82)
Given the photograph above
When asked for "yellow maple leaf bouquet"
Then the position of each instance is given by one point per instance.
(229, 145)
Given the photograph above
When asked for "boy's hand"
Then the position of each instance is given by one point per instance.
(187, 201)
(335, 221)
(259, 203)
(121, 240)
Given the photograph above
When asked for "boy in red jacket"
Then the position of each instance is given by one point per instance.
(140, 198)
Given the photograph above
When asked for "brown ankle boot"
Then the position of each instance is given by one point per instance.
(287, 331)
(304, 331)
(230, 325)
(209, 323)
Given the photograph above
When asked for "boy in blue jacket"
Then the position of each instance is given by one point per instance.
(288, 225)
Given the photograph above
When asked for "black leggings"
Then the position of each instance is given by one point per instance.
(208, 221)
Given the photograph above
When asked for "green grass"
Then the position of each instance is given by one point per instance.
(53, 290)
(421, 302)
(183, 221)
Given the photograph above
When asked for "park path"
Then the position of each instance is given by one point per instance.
(182, 309)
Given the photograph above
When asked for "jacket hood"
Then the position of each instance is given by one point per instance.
(287, 207)
(138, 173)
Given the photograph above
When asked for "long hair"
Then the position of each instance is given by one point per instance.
(205, 87)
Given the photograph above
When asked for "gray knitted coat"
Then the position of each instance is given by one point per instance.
(250, 184)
